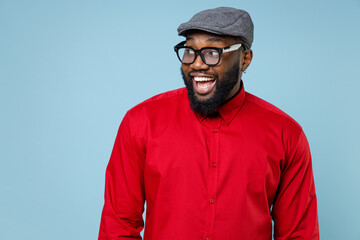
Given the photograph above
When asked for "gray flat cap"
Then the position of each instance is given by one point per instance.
(221, 21)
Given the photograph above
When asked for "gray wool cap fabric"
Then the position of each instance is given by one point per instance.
(221, 21)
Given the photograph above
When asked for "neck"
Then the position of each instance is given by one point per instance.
(235, 89)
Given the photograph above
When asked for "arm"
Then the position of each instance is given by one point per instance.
(124, 188)
(295, 210)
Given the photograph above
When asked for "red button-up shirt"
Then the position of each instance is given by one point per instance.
(218, 178)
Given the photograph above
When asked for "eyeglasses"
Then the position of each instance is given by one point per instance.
(210, 55)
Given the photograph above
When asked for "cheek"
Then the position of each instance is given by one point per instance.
(220, 70)
(226, 64)
(185, 69)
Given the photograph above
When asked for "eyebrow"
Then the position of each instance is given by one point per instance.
(208, 40)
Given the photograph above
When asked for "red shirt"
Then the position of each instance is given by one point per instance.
(219, 178)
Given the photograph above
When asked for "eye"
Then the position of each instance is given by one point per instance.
(188, 51)
(212, 53)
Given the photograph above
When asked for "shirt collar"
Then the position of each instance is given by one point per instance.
(228, 110)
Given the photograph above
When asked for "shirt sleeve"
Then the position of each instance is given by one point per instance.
(294, 210)
(124, 188)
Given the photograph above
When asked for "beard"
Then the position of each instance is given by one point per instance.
(223, 88)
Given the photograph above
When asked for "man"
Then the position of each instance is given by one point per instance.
(211, 160)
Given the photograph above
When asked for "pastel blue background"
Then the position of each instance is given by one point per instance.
(69, 70)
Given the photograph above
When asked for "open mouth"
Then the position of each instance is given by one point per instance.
(203, 85)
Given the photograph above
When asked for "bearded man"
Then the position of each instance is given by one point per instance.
(211, 161)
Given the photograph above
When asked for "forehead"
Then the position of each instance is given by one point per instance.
(206, 37)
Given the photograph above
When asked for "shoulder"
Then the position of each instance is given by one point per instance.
(268, 110)
(273, 121)
(277, 124)
(172, 95)
(156, 112)
(160, 104)
(161, 100)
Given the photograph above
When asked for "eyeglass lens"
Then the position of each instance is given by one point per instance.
(209, 56)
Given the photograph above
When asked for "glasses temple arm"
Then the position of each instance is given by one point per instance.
(232, 48)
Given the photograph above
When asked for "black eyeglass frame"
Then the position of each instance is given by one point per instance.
(230, 48)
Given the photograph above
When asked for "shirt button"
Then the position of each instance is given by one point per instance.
(207, 238)
(213, 164)
(215, 130)
(211, 200)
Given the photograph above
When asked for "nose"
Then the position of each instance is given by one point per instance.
(198, 64)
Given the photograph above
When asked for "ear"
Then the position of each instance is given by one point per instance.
(246, 57)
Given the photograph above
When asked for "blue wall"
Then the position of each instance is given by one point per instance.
(69, 70)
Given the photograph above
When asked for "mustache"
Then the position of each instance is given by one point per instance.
(188, 76)
(203, 72)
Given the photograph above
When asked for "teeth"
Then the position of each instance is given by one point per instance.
(203, 79)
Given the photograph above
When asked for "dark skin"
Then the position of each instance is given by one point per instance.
(200, 39)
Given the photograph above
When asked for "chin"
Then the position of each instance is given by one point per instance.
(204, 97)
(209, 103)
